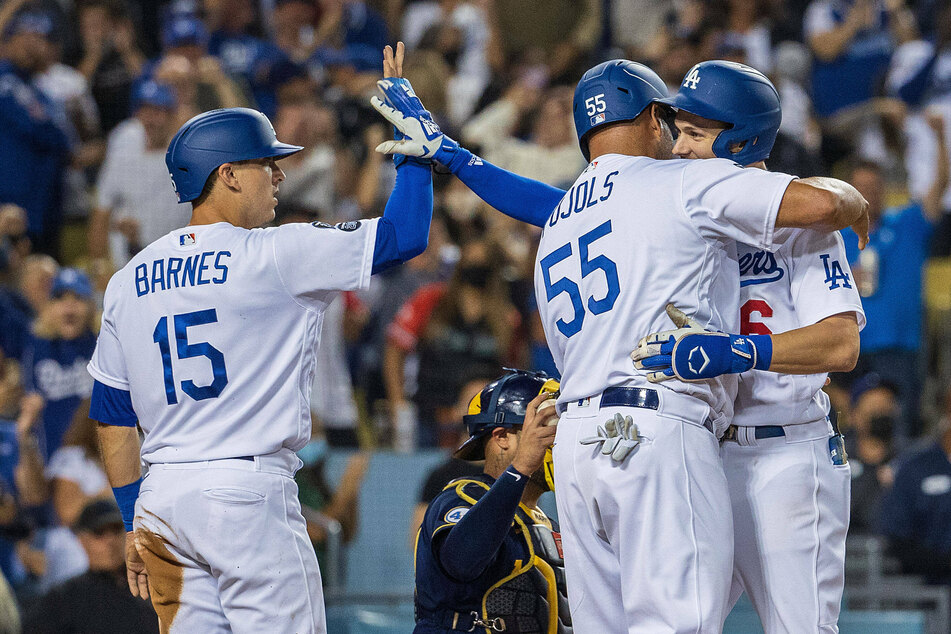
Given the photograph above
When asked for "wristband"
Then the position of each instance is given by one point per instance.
(125, 498)
(764, 350)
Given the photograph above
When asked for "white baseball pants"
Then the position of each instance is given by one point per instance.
(226, 547)
(648, 542)
(790, 515)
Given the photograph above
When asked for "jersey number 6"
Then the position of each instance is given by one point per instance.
(564, 285)
(188, 350)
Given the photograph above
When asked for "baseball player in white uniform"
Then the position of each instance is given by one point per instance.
(642, 498)
(208, 343)
(785, 463)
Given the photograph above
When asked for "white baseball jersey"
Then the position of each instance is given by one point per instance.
(804, 281)
(633, 234)
(214, 331)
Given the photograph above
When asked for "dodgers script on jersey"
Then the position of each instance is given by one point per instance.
(804, 281)
(633, 234)
(219, 328)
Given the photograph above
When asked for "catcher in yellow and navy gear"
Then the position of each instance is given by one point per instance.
(487, 559)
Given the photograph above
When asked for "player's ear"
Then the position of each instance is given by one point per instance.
(228, 176)
(502, 436)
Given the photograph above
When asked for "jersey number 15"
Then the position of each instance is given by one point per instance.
(564, 285)
(187, 350)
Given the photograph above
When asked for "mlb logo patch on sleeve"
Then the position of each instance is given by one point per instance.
(186, 239)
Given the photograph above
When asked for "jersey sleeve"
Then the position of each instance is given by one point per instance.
(314, 259)
(108, 363)
(724, 200)
(821, 280)
(444, 512)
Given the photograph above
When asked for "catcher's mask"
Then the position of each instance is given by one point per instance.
(502, 403)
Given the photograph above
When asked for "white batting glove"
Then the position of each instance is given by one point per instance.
(618, 437)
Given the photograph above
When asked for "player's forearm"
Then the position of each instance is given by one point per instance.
(521, 198)
(473, 543)
(820, 203)
(119, 448)
(31, 483)
(831, 345)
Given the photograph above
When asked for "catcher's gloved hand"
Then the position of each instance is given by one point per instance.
(691, 353)
(417, 133)
(618, 436)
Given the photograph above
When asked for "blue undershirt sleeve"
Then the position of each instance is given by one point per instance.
(112, 406)
(473, 543)
(403, 231)
(521, 198)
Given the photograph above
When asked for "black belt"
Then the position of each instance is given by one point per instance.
(643, 397)
(765, 431)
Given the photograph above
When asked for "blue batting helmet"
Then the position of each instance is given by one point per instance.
(617, 90)
(501, 403)
(738, 95)
(214, 138)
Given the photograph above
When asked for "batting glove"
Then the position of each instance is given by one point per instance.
(421, 136)
(618, 437)
(692, 353)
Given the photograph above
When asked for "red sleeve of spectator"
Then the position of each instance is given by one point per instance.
(411, 320)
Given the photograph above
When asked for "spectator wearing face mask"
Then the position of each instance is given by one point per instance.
(453, 329)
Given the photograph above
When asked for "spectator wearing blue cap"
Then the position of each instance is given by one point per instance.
(34, 145)
(134, 204)
(54, 364)
(257, 62)
(199, 80)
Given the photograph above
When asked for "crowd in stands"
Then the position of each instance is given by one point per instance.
(91, 92)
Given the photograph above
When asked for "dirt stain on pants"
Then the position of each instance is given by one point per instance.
(166, 576)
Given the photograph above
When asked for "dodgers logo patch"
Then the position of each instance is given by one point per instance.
(455, 514)
(759, 267)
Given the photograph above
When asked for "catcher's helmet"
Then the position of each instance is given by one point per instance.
(501, 403)
(738, 95)
(214, 138)
(616, 90)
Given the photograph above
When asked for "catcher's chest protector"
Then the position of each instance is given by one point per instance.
(532, 599)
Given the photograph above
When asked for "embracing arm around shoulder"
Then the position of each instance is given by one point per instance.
(824, 204)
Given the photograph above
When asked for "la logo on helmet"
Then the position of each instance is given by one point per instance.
(692, 79)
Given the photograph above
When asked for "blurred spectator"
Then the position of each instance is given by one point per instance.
(111, 59)
(452, 468)
(916, 513)
(36, 282)
(75, 470)
(852, 41)
(887, 273)
(747, 28)
(635, 25)
(354, 28)
(872, 473)
(566, 34)
(871, 398)
(460, 32)
(320, 502)
(135, 203)
(921, 76)
(454, 329)
(293, 25)
(256, 61)
(310, 180)
(551, 154)
(34, 143)
(99, 600)
(331, 398)
(54, 366)
(199, 81)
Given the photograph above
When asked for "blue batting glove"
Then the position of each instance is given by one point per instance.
(691, 353)
(417, 134)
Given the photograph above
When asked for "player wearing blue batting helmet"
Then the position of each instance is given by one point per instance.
(740, 97)
(611, 92)
(213, 138)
